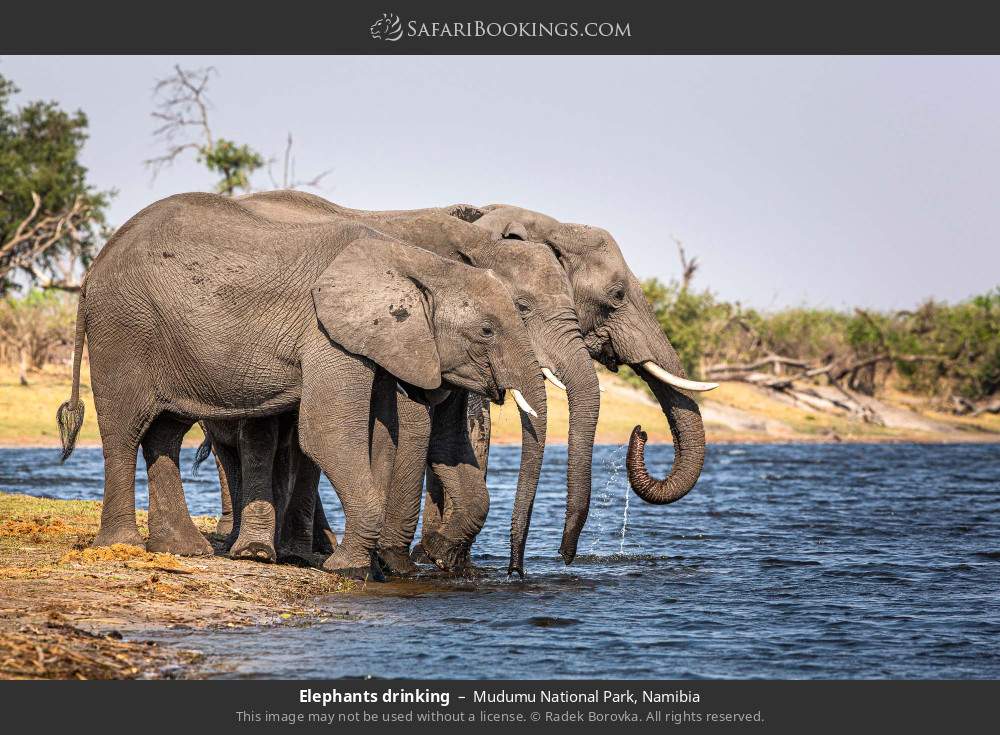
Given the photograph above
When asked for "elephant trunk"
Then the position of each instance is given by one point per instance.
(532, 388)
(688, 433)
(583, 393)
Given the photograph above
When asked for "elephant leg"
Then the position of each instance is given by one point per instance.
(405, 486)
(258, 440)
(431, 518)
(478, 425)
(458, 466)
(351, 443)
(170, 526)
(225, 525)
(324, 539)
(300, 518)
(118, 524)
(121, 424)
(227, 459)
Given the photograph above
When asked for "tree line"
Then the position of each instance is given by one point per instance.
(947, 352)
(53, 221)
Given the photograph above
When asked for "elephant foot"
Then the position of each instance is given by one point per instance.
(361, 566)
(256, 537)
(176, 535)
(294, 549)
(419, 556)
(446, 554)
(254, 550)
(225, 525)
(396, 561)
(184, 543)
(122, 534)
(295, 558)
(325, 542)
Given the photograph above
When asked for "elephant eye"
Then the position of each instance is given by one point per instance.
(617, 294)
(523, 306)
(487, 330)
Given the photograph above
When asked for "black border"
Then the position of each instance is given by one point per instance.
(337, 27)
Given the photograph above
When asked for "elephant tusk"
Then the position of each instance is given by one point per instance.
(551, 377)
(670, 379)
(522, 403)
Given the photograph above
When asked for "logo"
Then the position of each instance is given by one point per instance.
(387, 28)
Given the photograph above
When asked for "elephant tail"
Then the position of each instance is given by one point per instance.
(204, 450)
(70, 414)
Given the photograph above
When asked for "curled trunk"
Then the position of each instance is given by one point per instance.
(688, 434)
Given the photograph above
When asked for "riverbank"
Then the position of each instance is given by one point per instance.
(71, 612)
(733, 413)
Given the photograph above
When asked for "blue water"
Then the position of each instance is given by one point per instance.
(786, 561)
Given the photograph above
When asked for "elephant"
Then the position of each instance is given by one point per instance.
(457, 453)
(266, 452)
(619, 327)
(199, 309)
(245, 449)
(323, 538)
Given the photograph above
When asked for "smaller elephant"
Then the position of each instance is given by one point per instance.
(245, 451)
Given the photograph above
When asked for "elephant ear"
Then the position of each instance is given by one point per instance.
(371, 303)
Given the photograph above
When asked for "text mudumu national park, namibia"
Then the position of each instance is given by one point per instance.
(426, 696)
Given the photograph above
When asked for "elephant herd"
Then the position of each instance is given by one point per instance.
(308, 337)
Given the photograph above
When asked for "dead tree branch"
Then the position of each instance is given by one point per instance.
(182, 107)
(39, 232)
(288, 180)
(688, 267)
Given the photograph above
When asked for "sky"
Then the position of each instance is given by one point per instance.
(823, 181)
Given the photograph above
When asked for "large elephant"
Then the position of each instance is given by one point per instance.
(540, 291)
(619, 327)
(200, 309)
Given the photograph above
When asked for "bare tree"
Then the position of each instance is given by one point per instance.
(182, 110)
(688, 267)
(288, 180)
(182, 107)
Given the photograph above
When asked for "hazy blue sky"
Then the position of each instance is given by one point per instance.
(829, 181)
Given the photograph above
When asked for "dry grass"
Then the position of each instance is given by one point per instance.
(56, 651)
(64, 606)
(28, 413)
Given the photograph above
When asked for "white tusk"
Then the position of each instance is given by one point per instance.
(522, 403)
(670, 379)
(551, 377)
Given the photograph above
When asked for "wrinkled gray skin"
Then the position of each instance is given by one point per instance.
(251, 448)
(459, 445)
(198, 309)
(619, 327)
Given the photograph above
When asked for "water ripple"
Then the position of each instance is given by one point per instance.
(786, 561)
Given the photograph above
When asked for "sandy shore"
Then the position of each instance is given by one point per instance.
(68, 611)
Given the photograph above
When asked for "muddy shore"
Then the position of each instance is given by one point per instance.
(71, 612)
